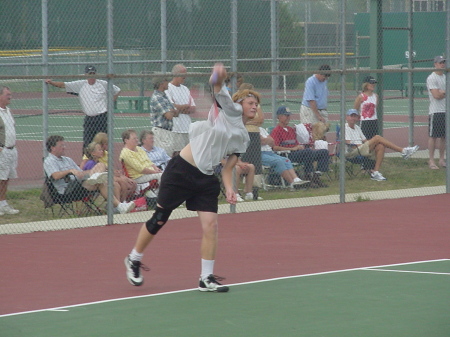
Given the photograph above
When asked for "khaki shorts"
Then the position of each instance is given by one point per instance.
(361, 150)
(8, 164)
(308, 116)
(166, 139)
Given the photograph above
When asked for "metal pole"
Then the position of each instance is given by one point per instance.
(164, 36)
(234, 29)
(447, 100)
(234, 41)
(410, 75)
(110, 55)
(274, 55)
(343, 112)
(45, 73)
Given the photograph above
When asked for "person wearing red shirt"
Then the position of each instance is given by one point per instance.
(285, 139)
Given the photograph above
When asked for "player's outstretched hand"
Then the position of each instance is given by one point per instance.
(219, 74)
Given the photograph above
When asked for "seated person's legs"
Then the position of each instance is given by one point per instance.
(248, 170)
(323, 158)
(304, 156)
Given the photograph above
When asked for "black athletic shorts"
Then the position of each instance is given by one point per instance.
(436, 128)
(181, 182)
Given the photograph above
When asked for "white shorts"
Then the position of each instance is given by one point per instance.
(8, 164)
(166, 139)
(307, 116)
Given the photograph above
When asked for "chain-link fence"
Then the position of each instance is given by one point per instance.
(277, 47)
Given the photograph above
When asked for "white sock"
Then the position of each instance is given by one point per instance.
(297, 179)
(135, 256)
(207, 268)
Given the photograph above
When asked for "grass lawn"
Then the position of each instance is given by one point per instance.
(400, 174)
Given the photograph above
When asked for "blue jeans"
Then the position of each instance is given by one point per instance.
(276, 162)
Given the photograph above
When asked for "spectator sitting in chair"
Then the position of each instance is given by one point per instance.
(374, 148)
(157, 155)
(279, 164)
(285, 139)
(139, 167)
(71, 181)
(247, 170)
(94, 152)
(127, 185)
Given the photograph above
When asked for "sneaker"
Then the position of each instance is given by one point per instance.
(297, 181)
(250, 196)
(409, 151)
(239, 198)
(377, 176)
(7, 209)
(211, 284)
(126, 207)
(97, 178)
(134, 271)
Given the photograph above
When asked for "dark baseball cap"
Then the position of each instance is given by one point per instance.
(90, 69)
(369, 79)
(283, 110)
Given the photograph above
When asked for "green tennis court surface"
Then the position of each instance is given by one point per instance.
(396, 300)
(70, 124)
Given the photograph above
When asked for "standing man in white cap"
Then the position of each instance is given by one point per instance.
(437, 111)
(93, 98)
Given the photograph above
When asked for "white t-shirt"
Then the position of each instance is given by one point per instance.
(355, 136)
(93, 98)
(180, 95)
(10, 130)
(264, 148)
(435, 81)
(213, 139)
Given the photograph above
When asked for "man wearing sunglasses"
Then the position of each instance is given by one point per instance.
(315, 97)
(436, 113)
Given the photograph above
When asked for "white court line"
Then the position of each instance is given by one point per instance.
(406, 271)
(65, 308)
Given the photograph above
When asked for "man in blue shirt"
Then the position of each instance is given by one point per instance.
(315, 98)
(157, 155)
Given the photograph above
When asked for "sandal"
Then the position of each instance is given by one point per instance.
(433, 167)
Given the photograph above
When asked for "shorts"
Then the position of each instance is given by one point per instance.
(166, 139)
(362, 150)
(181, 182)
(369, 128)
(8, 164)
(307, 116)
(436, 125)
(180, 140)
(74, 191)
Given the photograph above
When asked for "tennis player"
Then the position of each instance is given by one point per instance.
(189, 177)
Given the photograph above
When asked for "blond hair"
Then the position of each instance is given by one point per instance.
(240, 95)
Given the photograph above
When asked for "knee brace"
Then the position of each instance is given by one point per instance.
(158, 220)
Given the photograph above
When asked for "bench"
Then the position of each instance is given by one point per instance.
(132, 104)
(419, 90)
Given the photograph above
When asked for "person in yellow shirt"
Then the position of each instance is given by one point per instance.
(139, 167)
